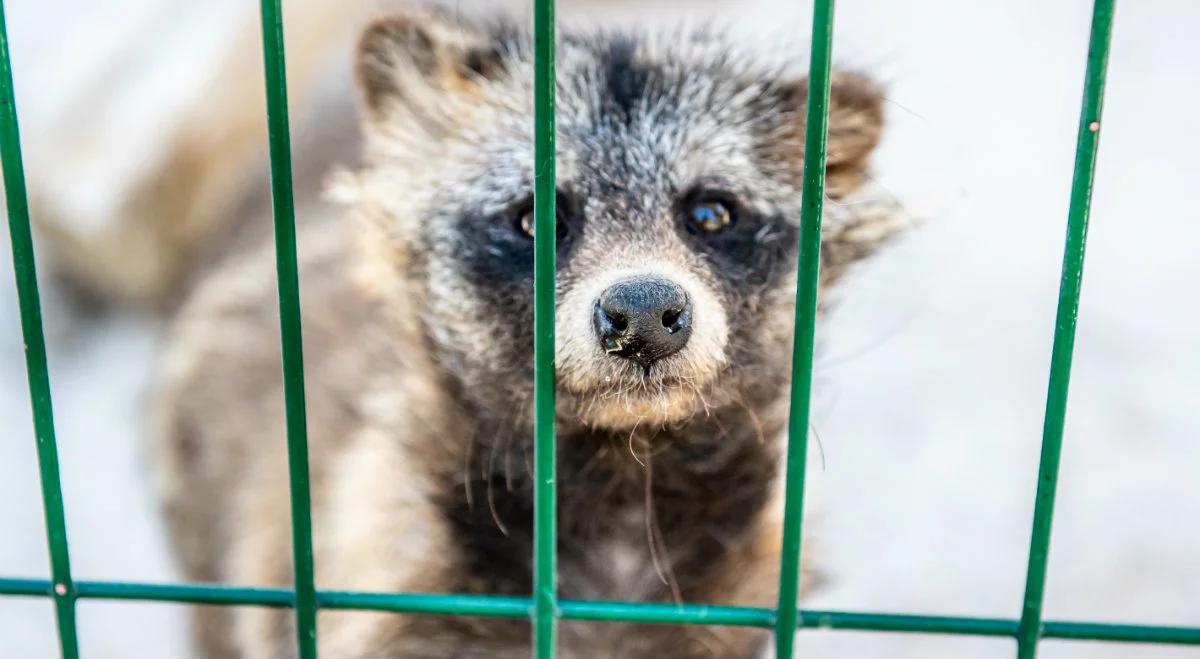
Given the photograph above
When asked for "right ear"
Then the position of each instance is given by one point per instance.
(411, 59)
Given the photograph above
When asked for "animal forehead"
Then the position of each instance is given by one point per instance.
(621, 81)
(617, 85)
(635, 104)
(635, 116)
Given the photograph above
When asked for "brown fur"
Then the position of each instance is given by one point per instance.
(188, 207)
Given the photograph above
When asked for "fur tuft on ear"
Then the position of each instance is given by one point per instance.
(850, 232)
(855, 126)
(855, 120)
(404, 57)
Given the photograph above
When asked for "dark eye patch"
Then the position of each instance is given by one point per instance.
(745, 246)
(523, 219)
(495, 253)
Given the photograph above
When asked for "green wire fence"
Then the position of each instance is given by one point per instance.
(544, 608)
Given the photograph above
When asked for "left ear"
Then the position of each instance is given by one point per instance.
(855, 121)
(855, 126)
(850, 232)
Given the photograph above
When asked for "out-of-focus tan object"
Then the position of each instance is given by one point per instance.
(151, 137)
(161, 154)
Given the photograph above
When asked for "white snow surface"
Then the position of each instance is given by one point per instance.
(932, 385)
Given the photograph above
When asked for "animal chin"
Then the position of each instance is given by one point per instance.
(640, 402)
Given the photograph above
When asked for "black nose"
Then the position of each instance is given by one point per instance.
(643, 319)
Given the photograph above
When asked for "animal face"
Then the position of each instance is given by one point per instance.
(679, 162)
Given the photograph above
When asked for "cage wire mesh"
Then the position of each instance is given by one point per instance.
(544, 608)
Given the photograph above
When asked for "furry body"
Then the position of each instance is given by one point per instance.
(417, 327)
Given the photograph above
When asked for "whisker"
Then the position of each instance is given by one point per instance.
(491, 482)
(820, 444)
(754, 420)
(468, 456)
(631, 433)
(659, 556)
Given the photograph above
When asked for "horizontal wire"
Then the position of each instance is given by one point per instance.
(602, 611)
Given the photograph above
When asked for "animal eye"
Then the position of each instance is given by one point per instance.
(709, 216)
(524, 224)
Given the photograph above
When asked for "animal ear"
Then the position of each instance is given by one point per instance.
(850, 232)
(404, 57)
(855, 126)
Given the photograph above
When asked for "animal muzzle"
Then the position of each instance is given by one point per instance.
(643, 319)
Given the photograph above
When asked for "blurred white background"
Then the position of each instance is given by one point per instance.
(932, 385)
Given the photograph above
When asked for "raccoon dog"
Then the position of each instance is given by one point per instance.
(679, 203)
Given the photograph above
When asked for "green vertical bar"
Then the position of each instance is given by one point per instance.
(289, 321)
(63, 588)
(545, 589)
(1030, 628)
(816, 124)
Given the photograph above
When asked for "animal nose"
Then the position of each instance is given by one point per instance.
(643, 319)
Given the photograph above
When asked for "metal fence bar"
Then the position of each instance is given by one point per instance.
(637, 612)
(667, 614)
(1116, 633)
(485, 606)
(909, 624)
(63, 590)
(545, 588)
(1064, 327)
(279, 598)
(289, 322)
(26, 587)
(813, 194)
